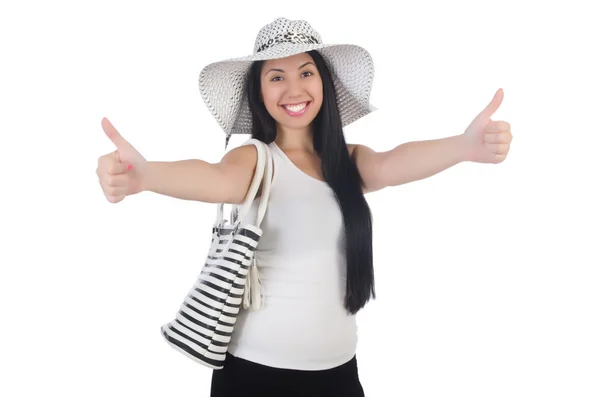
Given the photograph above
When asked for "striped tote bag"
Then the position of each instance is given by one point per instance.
(205, 321)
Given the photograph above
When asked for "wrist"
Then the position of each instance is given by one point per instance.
(465, 147)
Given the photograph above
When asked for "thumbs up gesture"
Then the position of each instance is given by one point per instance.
(488, 141)
(121, 173)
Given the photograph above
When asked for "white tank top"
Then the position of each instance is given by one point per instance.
(302, 264)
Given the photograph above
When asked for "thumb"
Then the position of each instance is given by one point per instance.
(491, 108)
(113, 134)
(123, 166)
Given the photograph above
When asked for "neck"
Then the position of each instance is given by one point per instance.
(295, 139)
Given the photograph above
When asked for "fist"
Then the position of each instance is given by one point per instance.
(121, 173)
(486, 140)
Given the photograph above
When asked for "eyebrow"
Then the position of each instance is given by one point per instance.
(282, 71)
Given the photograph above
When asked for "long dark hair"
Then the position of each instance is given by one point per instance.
(340, 173)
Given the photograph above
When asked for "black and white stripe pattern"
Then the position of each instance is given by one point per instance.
(204, 323)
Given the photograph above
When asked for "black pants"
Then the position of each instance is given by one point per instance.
(243, 378)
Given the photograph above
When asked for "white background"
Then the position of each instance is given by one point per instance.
(487, 275)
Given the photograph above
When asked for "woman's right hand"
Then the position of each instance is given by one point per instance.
(122, 172)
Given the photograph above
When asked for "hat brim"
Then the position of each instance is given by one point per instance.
(222, 84)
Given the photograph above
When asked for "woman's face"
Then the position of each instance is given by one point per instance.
(292, 81)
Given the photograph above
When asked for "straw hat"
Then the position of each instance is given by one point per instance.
(222, 84)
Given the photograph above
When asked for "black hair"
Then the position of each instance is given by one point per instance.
(340, 173)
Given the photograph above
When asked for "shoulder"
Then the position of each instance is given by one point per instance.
(358, 150)
(369, 165)
(241, 161)
(351, 147)
(236, 169)
(245, 155)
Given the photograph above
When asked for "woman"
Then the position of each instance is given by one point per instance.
(315, 255)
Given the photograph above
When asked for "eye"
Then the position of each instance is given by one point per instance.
(279, 77)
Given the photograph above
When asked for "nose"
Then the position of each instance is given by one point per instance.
(295, 90)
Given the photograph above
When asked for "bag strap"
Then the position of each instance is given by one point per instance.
(266, 189)
(253, 190)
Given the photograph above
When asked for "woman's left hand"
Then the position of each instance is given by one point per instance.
(488, 141)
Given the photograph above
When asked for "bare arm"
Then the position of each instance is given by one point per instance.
(417, 160)
(225, 182)
(408, 162)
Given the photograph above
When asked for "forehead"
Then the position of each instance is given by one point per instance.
(291, 62)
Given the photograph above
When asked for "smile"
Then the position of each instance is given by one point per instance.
(296, 110)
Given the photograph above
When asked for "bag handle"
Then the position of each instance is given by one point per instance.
(253, 190)
(266, 189)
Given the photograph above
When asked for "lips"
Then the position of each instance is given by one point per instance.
(299, 113)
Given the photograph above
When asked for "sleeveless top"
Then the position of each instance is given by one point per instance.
(301, 259)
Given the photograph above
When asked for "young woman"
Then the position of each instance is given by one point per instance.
(315, 255)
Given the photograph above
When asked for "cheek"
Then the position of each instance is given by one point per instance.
(271, 98)
(315, 87)
(317, 92)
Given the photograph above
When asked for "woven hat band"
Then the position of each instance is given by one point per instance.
(289, 37)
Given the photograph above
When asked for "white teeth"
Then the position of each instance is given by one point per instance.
(296, 108)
